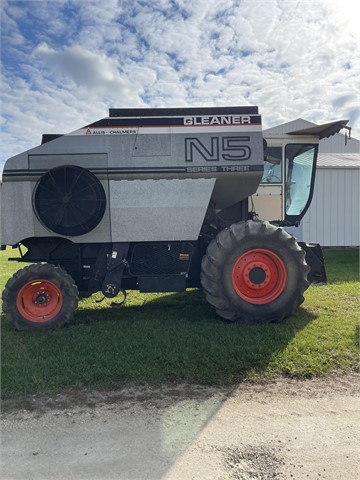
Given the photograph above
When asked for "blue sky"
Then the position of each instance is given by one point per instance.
(65, 62)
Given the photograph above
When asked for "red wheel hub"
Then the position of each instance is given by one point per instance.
(259, 276)
(39, 301)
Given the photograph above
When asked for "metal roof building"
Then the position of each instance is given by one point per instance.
(333, 219)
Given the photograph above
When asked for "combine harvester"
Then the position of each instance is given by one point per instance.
(160, 200)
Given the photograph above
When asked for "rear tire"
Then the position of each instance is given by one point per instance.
(40, 297)
(254, 272)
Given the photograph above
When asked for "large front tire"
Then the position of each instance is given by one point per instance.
(40, 297)
(254, 272)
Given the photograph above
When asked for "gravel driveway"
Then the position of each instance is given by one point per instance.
(284, 430)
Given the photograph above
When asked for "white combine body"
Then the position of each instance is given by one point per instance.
(160, 200)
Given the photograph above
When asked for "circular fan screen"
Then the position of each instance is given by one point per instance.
(69, 200)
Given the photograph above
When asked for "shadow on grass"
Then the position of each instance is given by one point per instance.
(173, 338)
(153, 338)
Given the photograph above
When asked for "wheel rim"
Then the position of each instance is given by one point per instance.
(259, 276)
(39, 301)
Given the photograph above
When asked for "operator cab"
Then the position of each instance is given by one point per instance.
(285, 192)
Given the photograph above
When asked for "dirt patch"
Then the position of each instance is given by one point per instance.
(253, 462)
(124, 397)
(160, 396)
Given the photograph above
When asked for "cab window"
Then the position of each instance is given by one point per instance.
(300, 159)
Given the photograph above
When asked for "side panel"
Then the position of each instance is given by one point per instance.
(268, 202)
(17, 218)
(159, 172)
(158, 210)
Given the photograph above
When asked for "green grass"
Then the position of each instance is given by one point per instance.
(178, 338)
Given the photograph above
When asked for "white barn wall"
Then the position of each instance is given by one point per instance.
(333, 219)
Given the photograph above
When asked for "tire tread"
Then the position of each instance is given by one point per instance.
(31, 272)
(221, 248)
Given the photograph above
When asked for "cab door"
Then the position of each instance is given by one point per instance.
(268, 199)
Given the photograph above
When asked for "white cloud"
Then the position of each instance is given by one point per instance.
(66, 62)
(85, 69)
